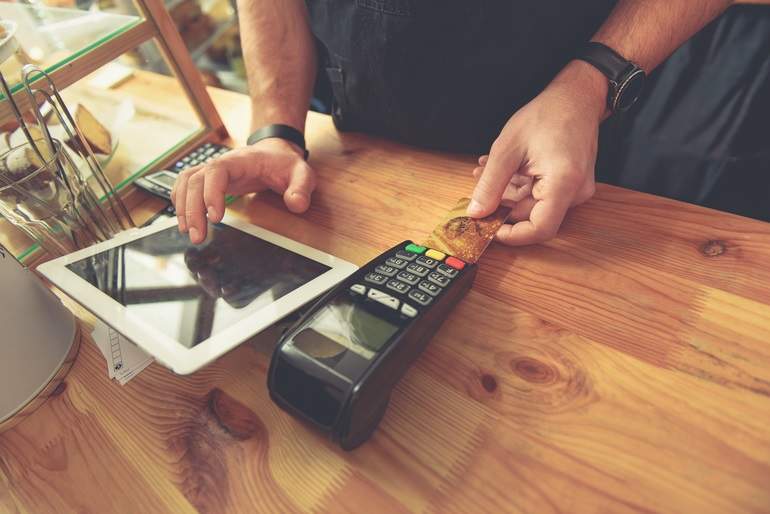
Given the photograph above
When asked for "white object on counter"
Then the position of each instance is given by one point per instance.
(38, 333)
(110, 75)
(124, 359)
(8, 43)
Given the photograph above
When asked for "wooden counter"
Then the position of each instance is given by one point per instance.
(624, 366)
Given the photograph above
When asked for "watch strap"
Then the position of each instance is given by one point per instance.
(280, 131)
(607, 60)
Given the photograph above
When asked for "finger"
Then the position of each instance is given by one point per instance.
(195, 209)
(543, 224)
(172, 196)
(214, 191)
(494, 179)
(483, 160)
(300, 188)
(178, 185)
(521, 210)
(477, 172)
(180, 195)
(519, 188)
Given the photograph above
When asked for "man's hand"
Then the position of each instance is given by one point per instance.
(543, 161)
(272, 164)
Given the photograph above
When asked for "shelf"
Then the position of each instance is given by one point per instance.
(132, 111)
(146, 103)
(152, 118)
(52, 37)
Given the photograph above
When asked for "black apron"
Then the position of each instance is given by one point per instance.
(444, 74)
(449, 74)
(701, 131)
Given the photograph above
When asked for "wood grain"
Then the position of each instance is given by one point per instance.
(622, 367)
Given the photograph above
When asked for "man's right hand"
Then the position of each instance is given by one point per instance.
(272, 163)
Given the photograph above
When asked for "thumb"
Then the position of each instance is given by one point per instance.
(300, 188)
(495, 177)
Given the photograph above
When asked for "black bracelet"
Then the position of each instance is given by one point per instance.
(280, 131)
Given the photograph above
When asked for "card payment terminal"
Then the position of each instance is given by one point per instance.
(336, 367)
(161, 183)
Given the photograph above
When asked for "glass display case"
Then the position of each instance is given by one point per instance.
(125, 72)
(209, 29)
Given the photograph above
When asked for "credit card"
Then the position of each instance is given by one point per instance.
(464, 237)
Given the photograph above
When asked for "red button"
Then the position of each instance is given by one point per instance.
(455, 262)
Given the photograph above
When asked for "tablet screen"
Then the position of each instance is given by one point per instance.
(192, 292)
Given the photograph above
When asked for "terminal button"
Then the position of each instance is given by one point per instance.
(447, 270)
(417, 269)
(409, 278)
(376, 294)
(455, 263)
(389, 302)
(407, 256)
(408, 311)
(438, 279)
(435, 254)
(384, 298)
(386, 270)
(411, 247)
(426, 261)
(398, 286)
(396, 262)
(375, 278)
(358, 288)
(420, 297)
(429, 287)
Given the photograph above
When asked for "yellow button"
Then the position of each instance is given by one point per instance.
(435, 254)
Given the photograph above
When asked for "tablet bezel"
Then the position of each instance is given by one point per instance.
(165, 349)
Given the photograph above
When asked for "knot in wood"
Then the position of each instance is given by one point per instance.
(59, 389)
(552, 381)
(489, 383)
(713, 248)
(534, 371)
(233, 417)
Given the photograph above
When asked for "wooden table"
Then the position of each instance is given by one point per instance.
(624, 366)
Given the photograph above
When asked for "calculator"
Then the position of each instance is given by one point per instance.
(337, 365)
(161, 183)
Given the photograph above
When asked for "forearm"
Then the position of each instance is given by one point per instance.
(642, 31)
(648, 31)
(280, 58)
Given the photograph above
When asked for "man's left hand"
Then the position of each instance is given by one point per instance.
(543, 160)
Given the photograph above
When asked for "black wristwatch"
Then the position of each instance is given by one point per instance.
(626, 79)
(280, 131)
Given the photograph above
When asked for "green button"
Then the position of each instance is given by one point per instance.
(411, 247)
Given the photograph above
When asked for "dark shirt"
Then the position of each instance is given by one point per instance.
(444, 74)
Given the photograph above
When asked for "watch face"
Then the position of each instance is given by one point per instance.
(629, 90)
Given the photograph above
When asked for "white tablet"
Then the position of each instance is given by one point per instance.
(188, 304)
